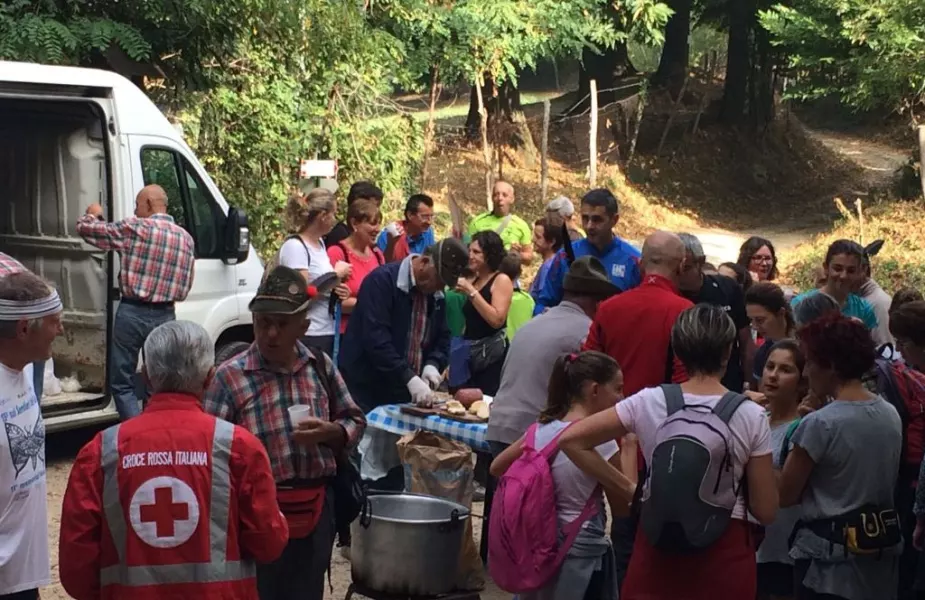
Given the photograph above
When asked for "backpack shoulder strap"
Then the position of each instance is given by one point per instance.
(323, 375)
(728, 405)
(380, 257)
(674, 397)
(530, 437)
(571, 530)
(343, 249)
(785, 445)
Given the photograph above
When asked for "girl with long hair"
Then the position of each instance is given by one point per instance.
(313, 217)
(783, 386)
(580, 385)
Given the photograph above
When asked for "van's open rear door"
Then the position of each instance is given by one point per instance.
(59, 155)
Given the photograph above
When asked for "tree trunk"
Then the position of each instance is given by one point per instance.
(507, 124)
(676, 52)
(735, 93)
(607, 69)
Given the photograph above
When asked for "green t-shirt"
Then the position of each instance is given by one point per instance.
(516, 232)
(520, 312)
(455, 320)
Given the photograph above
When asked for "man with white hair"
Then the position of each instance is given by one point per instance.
(174, 503)
(724, 292)
(564, 208)
(30, 319)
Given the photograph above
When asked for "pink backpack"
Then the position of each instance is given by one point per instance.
(524, 551)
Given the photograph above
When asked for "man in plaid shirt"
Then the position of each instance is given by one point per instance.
(255, 390)
(157, 257)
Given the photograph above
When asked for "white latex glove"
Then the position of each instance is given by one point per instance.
(421, 394)
(432, 376)
(394, 229)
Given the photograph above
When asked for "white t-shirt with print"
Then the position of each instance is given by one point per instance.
(573, 486)
(294, 256)
(24, 560)
(643, 412)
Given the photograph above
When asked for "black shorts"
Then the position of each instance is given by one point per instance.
(775, 579)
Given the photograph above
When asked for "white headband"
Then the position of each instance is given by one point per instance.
(15, 310)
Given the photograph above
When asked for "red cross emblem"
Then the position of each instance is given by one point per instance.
(164, 512)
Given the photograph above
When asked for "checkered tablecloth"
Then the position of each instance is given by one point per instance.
(391, 419)
(385, 424)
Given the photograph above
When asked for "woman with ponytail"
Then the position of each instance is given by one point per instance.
(580, 385)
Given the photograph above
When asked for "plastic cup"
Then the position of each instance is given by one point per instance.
(299, 413)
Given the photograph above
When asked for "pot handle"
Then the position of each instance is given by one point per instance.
(452, 524)
(366, 513)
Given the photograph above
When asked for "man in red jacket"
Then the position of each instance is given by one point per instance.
(635, 329)
(174, 503)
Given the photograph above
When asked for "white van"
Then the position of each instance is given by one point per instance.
(70, 137)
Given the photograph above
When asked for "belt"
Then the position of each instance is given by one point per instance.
(137, 302)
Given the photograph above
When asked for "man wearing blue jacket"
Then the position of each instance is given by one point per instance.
(397, 342)
(600, 213)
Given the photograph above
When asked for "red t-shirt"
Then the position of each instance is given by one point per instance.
(635, 329)
(362, 266)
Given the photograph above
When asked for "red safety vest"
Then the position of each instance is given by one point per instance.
(167, 510)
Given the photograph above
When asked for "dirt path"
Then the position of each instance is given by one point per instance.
(879, 163)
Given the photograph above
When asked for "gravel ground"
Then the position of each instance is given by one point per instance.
(63, 447)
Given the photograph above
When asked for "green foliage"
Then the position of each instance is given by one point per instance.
(870, 53)
(42, 33)
(470, 39)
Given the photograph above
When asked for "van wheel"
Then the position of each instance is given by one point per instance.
(230, 350)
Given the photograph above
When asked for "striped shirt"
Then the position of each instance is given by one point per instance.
(9, 265)
(157, 255)
(249, 392)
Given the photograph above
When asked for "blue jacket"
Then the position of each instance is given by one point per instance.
(620, 259)
(373, 355)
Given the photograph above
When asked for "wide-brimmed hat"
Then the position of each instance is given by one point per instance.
(451, 258)
(588, 277)
(284, 291)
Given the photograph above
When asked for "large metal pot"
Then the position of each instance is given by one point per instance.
(407, 544)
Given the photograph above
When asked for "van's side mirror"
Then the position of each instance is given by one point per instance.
(237, 237)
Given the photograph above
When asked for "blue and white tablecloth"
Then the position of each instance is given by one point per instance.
(385, 424)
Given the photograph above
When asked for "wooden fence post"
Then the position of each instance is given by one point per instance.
(486, 150)
(431, 122)
(592, 142)
(544, 149)
(922, 157)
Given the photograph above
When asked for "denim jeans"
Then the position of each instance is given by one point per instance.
(38, 378)
(132, 325)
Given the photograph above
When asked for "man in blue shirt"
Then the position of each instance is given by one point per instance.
(599, 215)
(414, 235)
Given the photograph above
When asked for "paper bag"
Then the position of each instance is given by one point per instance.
(445, 468)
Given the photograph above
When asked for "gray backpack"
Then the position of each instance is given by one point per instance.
(691, 488)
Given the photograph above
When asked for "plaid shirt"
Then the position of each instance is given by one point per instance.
(157, 255)
(248, 392)
(9, 265)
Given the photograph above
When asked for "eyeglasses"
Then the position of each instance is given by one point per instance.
(763, 258)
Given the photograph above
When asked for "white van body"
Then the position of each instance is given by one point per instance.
(70, 137)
